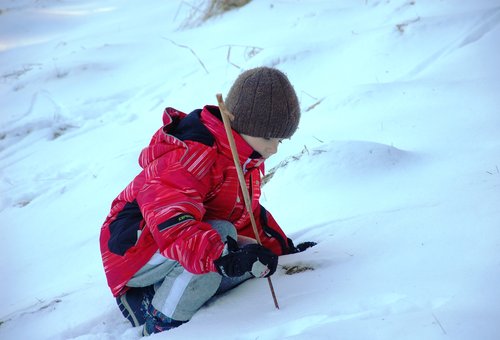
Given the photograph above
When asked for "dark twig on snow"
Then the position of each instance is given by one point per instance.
(193, 52)
(439, 323)
(491, 173)
(228, 58)
(402, 26)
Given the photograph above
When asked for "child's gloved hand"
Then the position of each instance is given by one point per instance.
(300, 247)
(252, 258)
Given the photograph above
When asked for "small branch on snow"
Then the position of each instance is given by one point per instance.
(306, 150)
(248, 53)
(309, 95)
(314, 105)
(317, 101)
(402, 26)
(319, 140)
(295, 269)
(189, 48)
(228, 58)
(491, 173)
(439, 323)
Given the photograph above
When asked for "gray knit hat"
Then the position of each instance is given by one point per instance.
(264, 104)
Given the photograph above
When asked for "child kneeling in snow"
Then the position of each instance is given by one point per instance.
(173, 237)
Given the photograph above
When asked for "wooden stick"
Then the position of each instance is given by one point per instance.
(226, 116)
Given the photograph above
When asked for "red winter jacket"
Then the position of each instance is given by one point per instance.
(188, 177)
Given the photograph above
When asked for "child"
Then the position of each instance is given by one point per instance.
(179, 233)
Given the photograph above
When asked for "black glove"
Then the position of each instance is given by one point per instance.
(252, 258)
(300, 247)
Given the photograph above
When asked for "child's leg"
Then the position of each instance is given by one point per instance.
(229, 283)
(182, 293)
(177, 293)
(135, 302)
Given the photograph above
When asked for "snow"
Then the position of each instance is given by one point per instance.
(394, 170)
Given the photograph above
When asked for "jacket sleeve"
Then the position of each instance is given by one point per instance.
(271, 234)
(171, 202)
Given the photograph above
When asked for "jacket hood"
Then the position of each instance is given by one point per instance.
(162, 142)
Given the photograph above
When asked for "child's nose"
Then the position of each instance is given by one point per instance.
(274, 148)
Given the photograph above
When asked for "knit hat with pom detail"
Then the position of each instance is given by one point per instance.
(264, 104)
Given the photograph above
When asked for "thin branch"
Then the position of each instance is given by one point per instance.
(439, 323)
(189, 48)
(314, 105)
(228, 58)
(310, 95)
(319, 140)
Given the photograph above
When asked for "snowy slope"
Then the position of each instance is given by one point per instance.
(394, 170)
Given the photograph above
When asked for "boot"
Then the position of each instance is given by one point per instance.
(134, 304)
(157, 322)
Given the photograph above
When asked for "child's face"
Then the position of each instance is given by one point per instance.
(265, 146)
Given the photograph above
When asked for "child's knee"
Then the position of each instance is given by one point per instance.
(224, 228)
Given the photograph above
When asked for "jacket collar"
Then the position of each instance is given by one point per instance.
(211, 118)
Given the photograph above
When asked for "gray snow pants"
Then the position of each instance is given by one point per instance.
(179, 293)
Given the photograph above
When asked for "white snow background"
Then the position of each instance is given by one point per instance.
(394, 170)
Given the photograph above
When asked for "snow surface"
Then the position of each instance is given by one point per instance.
(394, 170)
